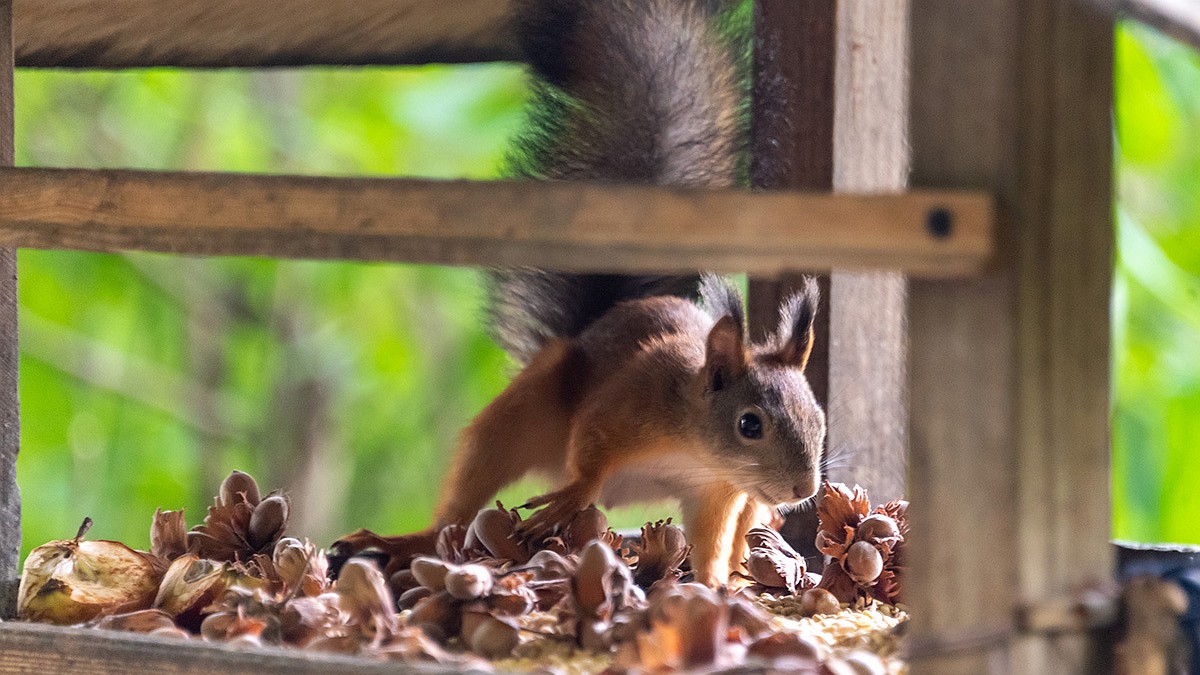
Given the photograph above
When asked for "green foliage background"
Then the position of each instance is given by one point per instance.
(145, 378)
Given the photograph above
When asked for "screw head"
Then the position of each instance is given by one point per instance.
(940, 222)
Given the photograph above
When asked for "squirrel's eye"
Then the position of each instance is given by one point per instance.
(750, 426)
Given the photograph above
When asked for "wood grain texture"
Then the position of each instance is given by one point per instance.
(868, 412)
(10, 422)
(1009, 373)
(253, 33)
(35, 648)
(569, 226)
(792, 141)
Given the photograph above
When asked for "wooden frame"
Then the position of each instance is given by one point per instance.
(494, 223)
(1007, 370)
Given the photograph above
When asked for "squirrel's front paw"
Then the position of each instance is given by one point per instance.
(559, 508)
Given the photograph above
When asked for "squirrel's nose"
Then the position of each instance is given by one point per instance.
(801, 491)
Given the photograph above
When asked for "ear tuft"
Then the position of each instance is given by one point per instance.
(725, 353)
(796, 317)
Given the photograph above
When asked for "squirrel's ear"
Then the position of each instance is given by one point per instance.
(796, 325)
(725, 355)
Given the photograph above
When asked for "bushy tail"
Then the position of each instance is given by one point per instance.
(630, 91)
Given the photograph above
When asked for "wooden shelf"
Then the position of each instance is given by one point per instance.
(255, 33)
(34, 648)
(558, 225)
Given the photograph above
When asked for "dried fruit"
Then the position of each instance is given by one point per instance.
(238, 525)
(660, 551)
(469, 582)
(268, 521)
(863, 562)
(238, 483)
(587, 526)
(493, 638)
(877, 526)
(494, 530)
(431, 572)
(190, 585)
(168, 534)
(141, 621)
(73, 580)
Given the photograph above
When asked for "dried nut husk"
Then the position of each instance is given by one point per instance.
(168, 534)
(216, 626)
(548, 565)
(302, 620)
(409, 599)
(451, 543)
(587, 525)
(773, 569)
(469, 582)
(239, 483)
(268, 521)
(816, 601)
(494, 638)
(437, 611)
(787, 645)
(431, 572)
(592, 584)
(191, 584)
(863, 562)
(876, 527)
(73, 580)
(661, 551)
(301, 566)
(364, 594)
(141, 621)
(495, 531)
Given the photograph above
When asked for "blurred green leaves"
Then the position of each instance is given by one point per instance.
(1156, 298)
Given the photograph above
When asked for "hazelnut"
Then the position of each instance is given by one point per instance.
(430, 572)
(494, 638)
(469, 582)
(818, 601)
(877, 526)
(863, 562)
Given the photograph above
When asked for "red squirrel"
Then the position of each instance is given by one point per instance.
(640, 387)
(637, 388)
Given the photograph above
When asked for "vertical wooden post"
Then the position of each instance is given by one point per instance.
(1009, 374)
(792, 148)
(868, 413)
(830, 111)
(10, 496)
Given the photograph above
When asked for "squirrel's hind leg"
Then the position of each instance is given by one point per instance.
(524, 428)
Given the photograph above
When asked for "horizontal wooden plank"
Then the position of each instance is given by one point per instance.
(252, 33)
(35, 648)
(559, 225)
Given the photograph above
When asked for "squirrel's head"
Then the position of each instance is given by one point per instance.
(768, 428)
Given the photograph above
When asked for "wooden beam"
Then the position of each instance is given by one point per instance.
(1178, 18)
(30, 648)
(10, 419)
(255, 33)
(868, 410)
(1009, 373)
(569, 226)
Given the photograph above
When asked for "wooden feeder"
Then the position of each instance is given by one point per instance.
(946, 164)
